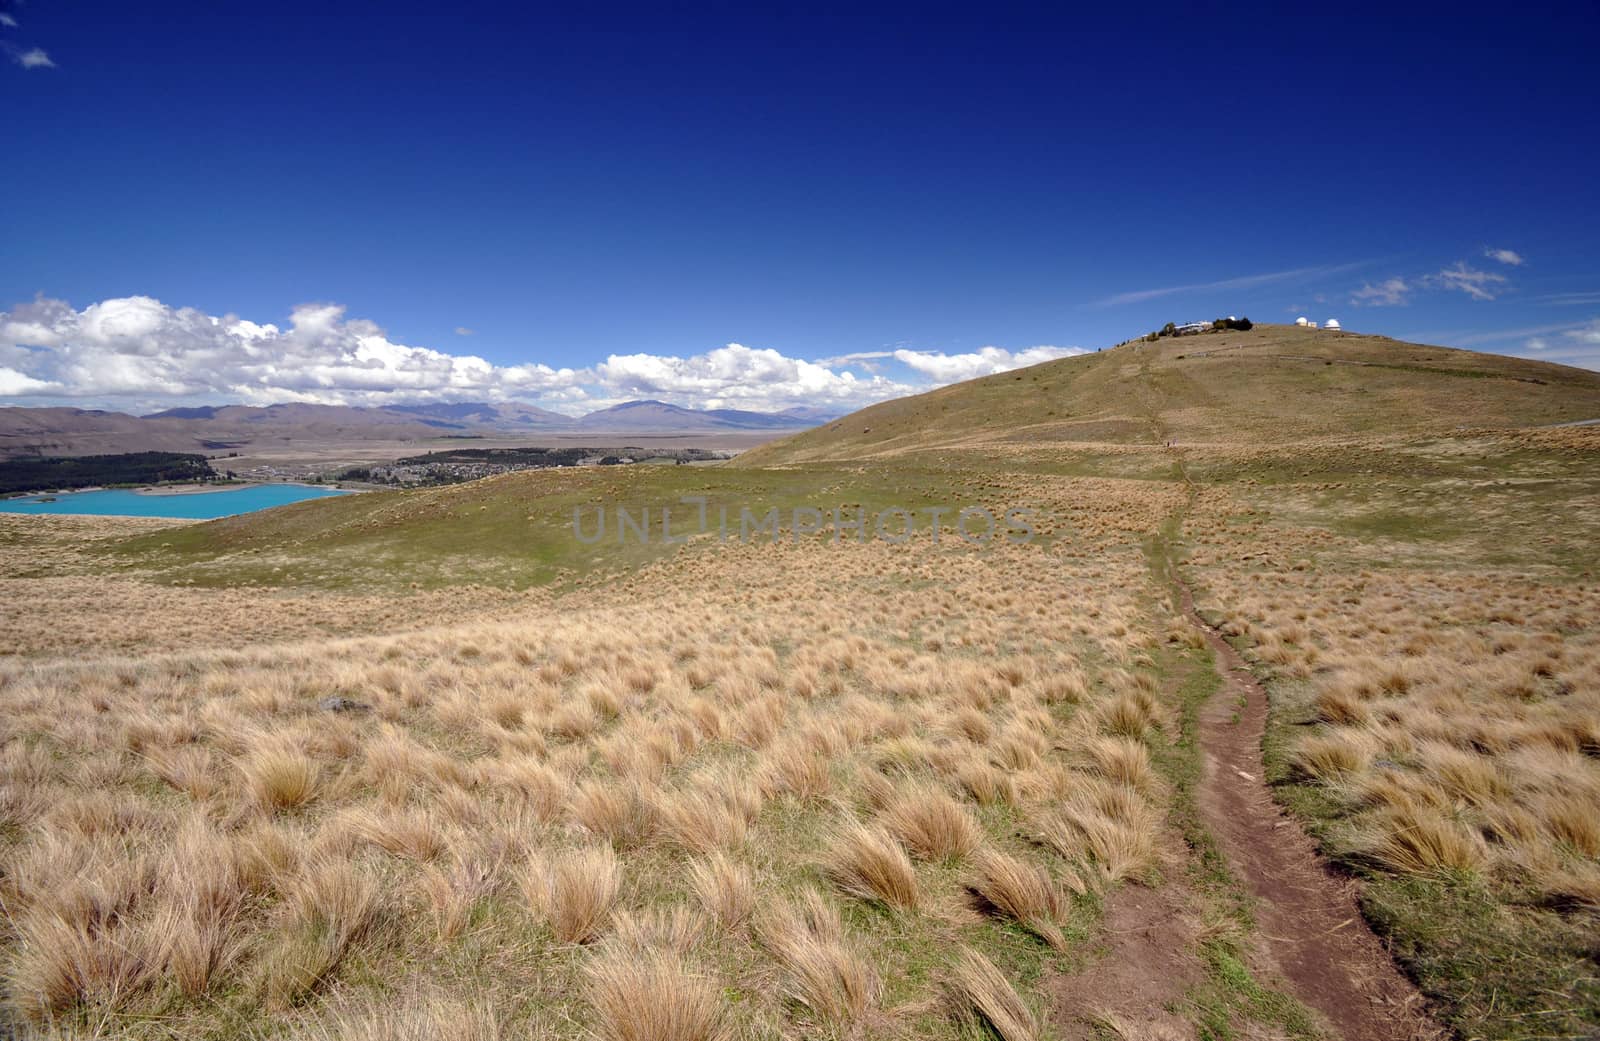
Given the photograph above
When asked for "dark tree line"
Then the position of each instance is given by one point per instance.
(47, 474)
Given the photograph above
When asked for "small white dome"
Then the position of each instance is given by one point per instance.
(1302, 321)
(1332, 323)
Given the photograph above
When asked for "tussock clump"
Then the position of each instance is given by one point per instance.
(452, 893)
(1339, 706)
(725, 889)
(410, 1016)
(1111, 827)
(676, 929)
(197, 927)
(1130, 714)
(931, 824)
(866, 861)
(1330, 758)
(653, 997)
(980, 993)
(985, 782)
(574, 891)
(1023, 892)
(702, 821)
(1574, 821)
(330, 907)
(280, 776)
(412, 833)
(1122, 760)
(542, 789)
(1422, 841)
(821, 971)
(626, 816)
(794, 769)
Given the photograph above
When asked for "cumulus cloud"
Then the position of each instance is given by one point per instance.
(138, 351)
(138, 347)
(952, 368)
(30, 59)
(737, 376)
(1391, 292)
(1480, 285)
(1504, 256)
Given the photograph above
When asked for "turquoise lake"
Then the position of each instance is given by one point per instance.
(122, 502)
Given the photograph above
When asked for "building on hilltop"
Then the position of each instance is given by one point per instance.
(1332, 323)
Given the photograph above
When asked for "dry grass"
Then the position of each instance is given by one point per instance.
(614, 808)
(653, 998)
(867, 862)
(575, 891)
(725, 888)
(980, 992)
(931, 824)
(821, 971)
(1022, 892)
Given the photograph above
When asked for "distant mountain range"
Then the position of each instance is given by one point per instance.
(214, 428)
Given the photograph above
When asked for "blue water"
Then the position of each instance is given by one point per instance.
(121, 502)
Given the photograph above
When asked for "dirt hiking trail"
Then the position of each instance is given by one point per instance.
(1311, 930)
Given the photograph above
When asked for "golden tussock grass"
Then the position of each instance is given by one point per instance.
(615, 811)
(980, 992)
(866, 861)
(1022, 892)
(931, 824)
(574, 891)
(653, 998)
(725, 889)
(820, 969)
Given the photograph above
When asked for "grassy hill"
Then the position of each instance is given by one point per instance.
(1277, 383)
(1103, 414)
(731, 742)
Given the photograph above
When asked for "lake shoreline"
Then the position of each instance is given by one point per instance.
(173, 502)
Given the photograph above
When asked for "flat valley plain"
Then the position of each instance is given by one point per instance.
(422, 764)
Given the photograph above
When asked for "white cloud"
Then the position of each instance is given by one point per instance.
(1587, 334)
(1241, 282)
(34, 59)
(132, 351)
(137, 346)
(7, 21)
(462, 330)
(1569, 299)
(953, 368)
(1480, 285)
(1570, 343)
(1390, 292)
(16, 384)
(737, 376)
(1504, 256)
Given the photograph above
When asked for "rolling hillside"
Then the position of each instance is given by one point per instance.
(1341, 581)
(1273, 383)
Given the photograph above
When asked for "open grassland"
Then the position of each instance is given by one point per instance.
(1430, 630)
(828, 788)
(861, 790)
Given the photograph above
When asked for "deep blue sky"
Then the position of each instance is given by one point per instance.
(575, 183)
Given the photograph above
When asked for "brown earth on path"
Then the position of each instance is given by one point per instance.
(1147, 968)
(1312, 930)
